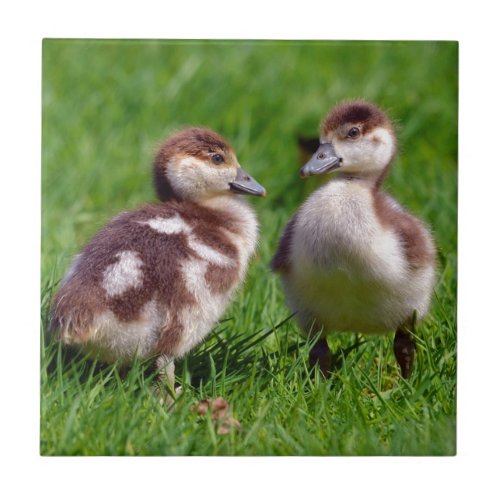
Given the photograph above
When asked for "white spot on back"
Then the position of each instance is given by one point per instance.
(124, 274)
(177, 225)
(171, 225)
(209, 254)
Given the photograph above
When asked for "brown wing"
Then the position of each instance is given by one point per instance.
(416, 239)
(281, 260)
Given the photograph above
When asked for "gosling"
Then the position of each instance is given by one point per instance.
(351, 258)
(154, 281)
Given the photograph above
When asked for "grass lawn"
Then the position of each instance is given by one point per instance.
(107, 105)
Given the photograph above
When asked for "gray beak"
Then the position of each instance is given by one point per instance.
(324, 160)
(245, 184)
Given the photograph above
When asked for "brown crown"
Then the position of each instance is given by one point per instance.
(197, 142)
(359, 112)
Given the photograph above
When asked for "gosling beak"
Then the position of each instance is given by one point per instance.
(324, 160)
(246, 184)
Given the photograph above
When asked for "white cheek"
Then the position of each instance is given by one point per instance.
(371, 152)
(382, 146)
(184, 177)
(192, 178)
(218, 178)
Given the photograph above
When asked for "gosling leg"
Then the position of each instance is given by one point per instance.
(320, 355)
(166, 380)
(404, 349)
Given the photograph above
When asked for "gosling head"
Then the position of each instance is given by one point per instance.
(197, 164)
(357, 140)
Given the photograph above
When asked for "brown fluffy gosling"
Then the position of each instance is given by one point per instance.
(154, 281)
(351, 258)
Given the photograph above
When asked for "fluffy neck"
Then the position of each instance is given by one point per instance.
(228, 210)
(371, 179)
(226, 202)
(238, 209)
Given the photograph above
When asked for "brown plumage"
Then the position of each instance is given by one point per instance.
(281, 260)
(154, 281)
(83, 296)
(412, 233)
(364, 113)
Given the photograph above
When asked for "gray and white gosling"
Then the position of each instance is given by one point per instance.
(154, 281)
(351, 258)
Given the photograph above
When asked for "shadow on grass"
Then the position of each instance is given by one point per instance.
(231, 356)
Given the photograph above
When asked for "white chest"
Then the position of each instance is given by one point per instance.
(337, 231)
(348, 272)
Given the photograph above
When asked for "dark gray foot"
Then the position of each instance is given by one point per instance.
(320, 355)
(404, 349)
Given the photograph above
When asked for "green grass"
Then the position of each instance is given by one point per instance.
(106, 105)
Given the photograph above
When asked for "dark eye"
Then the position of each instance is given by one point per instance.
(353, 133)
(217, 159)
